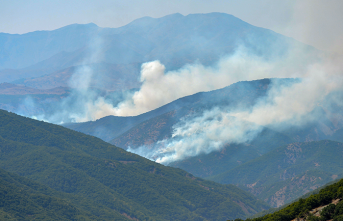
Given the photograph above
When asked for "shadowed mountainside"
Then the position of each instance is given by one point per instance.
(286, 173)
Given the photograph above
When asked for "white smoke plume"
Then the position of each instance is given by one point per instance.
(203, 134)
(215, 128)
(283, 106)
(159, 88)
(84, 103)
(316, 22)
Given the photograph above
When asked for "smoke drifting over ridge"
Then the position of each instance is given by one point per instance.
(284, 106)
(159, 87)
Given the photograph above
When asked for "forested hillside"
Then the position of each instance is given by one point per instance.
(24, 199)
(109, 182)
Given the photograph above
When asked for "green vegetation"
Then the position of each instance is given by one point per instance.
(304, 208)
(109, 182)
(23, 199)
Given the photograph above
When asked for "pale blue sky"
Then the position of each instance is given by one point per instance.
(316, 22)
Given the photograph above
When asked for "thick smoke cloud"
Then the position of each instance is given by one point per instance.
(284, 106)
(160, 87)
(316, 22)
(202, 134)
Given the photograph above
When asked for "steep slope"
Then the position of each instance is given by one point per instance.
(110, 178)
(283, 174)
(23, 199)
(325, 205)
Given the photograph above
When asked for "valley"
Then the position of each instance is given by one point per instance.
(197, 116)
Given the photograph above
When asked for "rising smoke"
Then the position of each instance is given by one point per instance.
(321, 85)
(282, 107)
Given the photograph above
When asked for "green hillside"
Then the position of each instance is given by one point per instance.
(23, 199)
(288, 172)
(111, 183)
(325, 205)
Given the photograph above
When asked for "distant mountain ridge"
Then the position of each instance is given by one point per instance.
(12, 89)
(27, 49)
(202, 38)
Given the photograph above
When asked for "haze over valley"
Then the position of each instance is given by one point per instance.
(183, 116)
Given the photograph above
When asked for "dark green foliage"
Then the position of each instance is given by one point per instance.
(338, 218)
(109, 182)
(23, 199)
(302, 207)
(328, 212)
(339, 209)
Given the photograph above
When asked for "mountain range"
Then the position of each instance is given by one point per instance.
(48, 59)
(87, 173)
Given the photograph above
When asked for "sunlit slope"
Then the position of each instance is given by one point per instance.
(111, 178)
(283, 174)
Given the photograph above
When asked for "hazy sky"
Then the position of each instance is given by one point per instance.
(316, 22)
